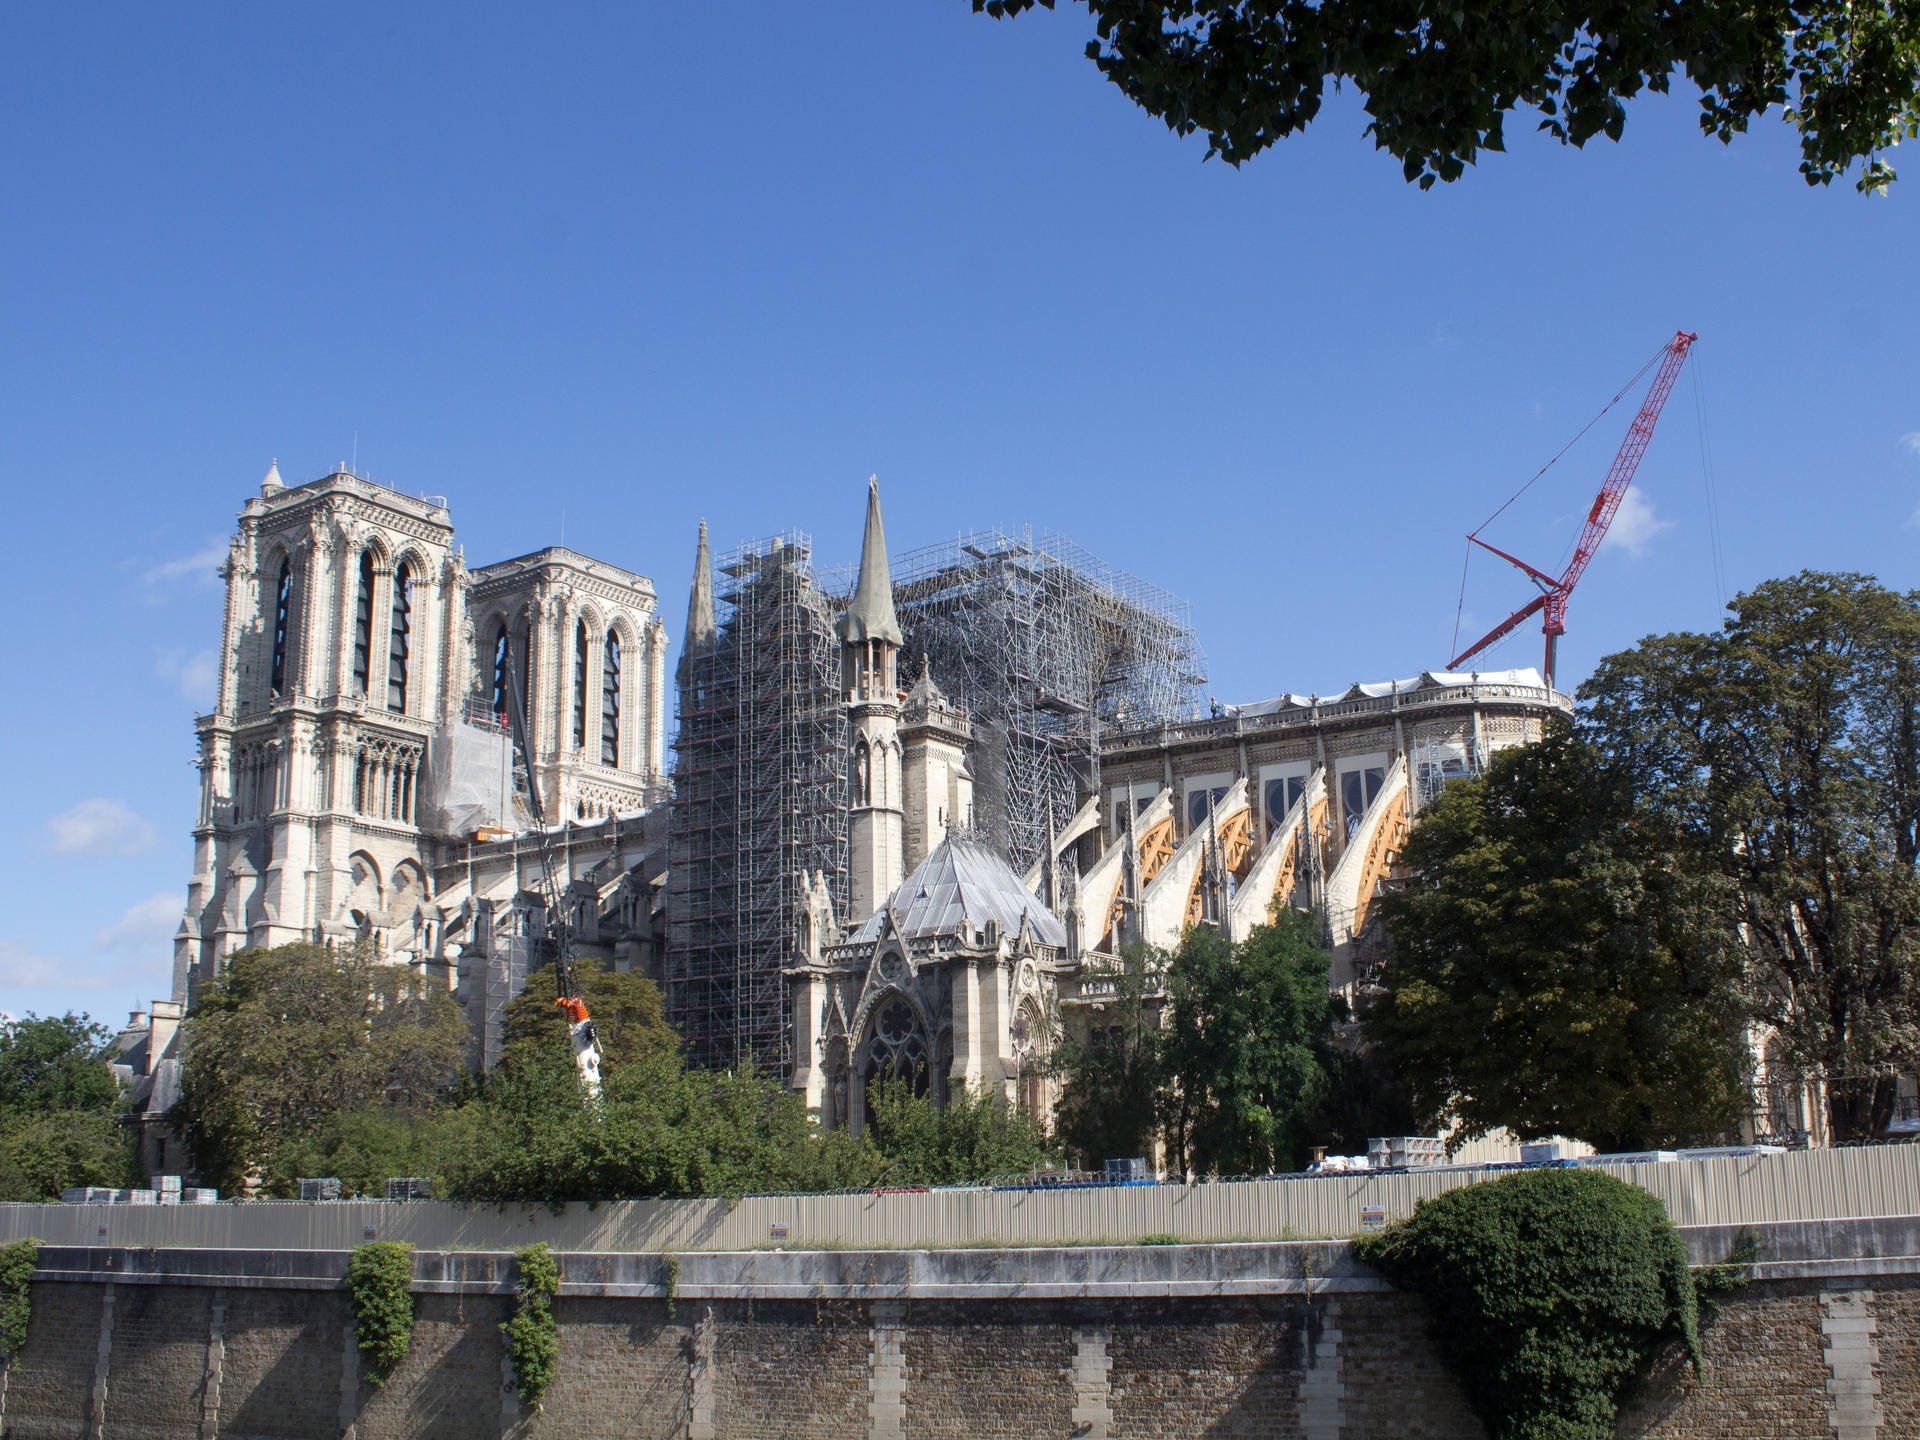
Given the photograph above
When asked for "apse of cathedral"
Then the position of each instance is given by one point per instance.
(909, 827)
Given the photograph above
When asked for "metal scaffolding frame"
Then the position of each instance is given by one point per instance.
(1046, 645)
(760, 801)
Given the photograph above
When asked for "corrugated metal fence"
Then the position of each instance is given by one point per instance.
(1722, 1190)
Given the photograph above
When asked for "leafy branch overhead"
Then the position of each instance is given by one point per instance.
(1440, 81)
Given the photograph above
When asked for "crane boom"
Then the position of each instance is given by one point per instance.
(1554, 592)
(573, 1004)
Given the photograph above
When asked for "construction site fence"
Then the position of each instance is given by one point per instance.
(1724, 1190)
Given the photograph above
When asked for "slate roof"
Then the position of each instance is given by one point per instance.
(956, 890)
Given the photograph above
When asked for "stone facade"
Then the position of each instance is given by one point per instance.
(356, 645)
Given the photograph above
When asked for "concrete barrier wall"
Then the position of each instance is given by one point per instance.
(1725, 1190)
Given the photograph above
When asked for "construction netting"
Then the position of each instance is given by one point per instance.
(470, 782)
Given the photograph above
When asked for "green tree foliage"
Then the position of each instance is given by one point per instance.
(380, 1292)
(284, 1040)
(659, 1130)
(1110, 1073)
(1560, 963)
(533, 1335)
(976, 1135)
(628, 1016)
(364, 1149)
(60, 1121)
(1246, 1027)
(17, 1261)
(1784, 751)
(42, 1155)
(1439, 83)
(1549, 1293)
(54, 1063)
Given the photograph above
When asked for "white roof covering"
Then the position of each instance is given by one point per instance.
(1380, 690)
(956, 890)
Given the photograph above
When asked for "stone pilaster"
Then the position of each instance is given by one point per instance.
(102, 1358)
(1092, 1397)
(1852, 1359)
(1321, 1390)
(349, 1379)
(216, 1362)
(887, 1372)
(700, 1379)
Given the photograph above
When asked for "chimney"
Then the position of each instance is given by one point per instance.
(166, 1024)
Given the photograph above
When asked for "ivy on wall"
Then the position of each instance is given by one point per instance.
(380, 1289)
(533, 1335)
(17, 1262)
(1549, 1292)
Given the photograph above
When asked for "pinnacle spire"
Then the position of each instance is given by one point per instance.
(701, 632)
(870, 616)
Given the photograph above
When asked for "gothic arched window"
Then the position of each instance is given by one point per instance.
(897, 1050)
(363, 626)
(502, 657)
(402, 632)
(610, 701)
(283, 598)
(580, 686)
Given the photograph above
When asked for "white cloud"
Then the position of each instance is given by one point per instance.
(1910, 442)
(148, 922)
(99, 827)
(24, 968)
(203, 566)
(1635, 524)
(193, 673)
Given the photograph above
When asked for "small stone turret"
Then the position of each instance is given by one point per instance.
(938, 788)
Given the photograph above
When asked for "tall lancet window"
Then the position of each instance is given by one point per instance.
(610, 701)
(363, 626)
(502, 657)
(580, 686)
(401, 634)
(283, 598)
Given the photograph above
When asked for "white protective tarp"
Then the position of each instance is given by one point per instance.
(470, 781)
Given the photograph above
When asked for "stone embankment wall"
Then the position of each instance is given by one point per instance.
(1274, 1341)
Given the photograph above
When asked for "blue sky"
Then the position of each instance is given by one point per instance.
(641, 265)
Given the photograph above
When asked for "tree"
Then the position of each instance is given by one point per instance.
(1559, 963)
(1785, 751)
(284, 1040)
(1110, 1079)
(1548, 1295)
(1440, 82)
(628, 1016)
(55, 1063)
(977, 1135)
(1246, 1024)
(60, 1124)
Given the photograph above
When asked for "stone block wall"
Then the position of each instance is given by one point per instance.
(1830, 1358)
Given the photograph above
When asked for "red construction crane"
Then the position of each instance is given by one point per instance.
(1554, 592)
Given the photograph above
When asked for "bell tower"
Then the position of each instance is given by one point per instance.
(869, 651)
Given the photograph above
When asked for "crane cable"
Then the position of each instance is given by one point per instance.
(1460, 607)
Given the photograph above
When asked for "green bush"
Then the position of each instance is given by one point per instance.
(379, 1286)
(533, 1336)
(1549, 1293)
(16, 1293)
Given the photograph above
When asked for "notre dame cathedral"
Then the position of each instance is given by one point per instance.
(912, 816)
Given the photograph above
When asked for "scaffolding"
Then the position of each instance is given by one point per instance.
(760, 802)
(1046, 645)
